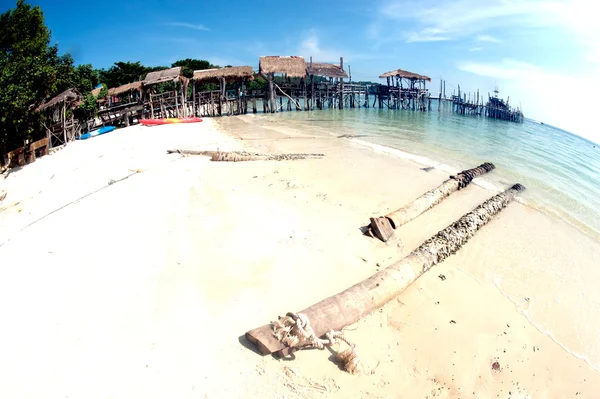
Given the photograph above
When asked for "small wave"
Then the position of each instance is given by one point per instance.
(496, 281)
(486, 184)
(421, 160)
(538, 326)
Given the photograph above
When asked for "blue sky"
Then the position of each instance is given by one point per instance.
(545, 55)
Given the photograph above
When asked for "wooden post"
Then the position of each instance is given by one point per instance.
(342, 84)
(312, 92)
(271, 91)
(194, 107)
(303, 85)
(239, 100)
(349, 306)
(64, 121)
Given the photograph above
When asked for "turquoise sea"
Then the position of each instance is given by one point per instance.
(560, 170)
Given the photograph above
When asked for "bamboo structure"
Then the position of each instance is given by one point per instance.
(204, 101)
(168, 104)
(61, 126)
(292, 66)
(396, 96)
(347, 307)
(383, 226)
(123, 104)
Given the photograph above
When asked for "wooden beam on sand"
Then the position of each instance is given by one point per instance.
(383, 227)
(347, 307)
(240, 156)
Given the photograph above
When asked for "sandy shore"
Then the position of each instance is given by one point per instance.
(130, 273)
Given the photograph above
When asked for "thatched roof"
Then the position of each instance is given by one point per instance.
(326, 70)
(166, 75)
(96, 91)
(239, 72)
(70, 95)
(293, 66)
(115, 91)
(401, 73)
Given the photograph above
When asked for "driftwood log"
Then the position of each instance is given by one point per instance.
(383, 227)
(347, 307)
(239, 156)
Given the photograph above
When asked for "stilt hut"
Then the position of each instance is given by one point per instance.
(61, 126)
(292, 66)
(207, 103)
(404, 90)
(171, 102)
(326, 93)
(129, 93)
(124, 103)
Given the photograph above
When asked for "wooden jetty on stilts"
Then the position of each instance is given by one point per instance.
(331, 71)
(404, 90)
(60, 123)
(123, 104)
(290, 67)
(219, 103)
(494, 108)
(171, 103)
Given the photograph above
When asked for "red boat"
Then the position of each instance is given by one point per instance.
(168, 121)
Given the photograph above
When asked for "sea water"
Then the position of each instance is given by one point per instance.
(560, 170)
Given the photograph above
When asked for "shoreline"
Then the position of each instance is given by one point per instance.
(491, 189)
(157, 277)
(554, 201)
(486, 184)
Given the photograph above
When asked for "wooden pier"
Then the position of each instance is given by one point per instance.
(494, 108)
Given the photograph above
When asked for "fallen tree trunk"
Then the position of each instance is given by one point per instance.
(347, 307)
(190, 152)
(239, 156)
(383, 227)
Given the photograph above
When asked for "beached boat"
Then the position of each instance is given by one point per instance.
(98, 132)
(166, 121)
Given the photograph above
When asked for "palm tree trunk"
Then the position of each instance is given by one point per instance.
(347, 307)
(383, 227)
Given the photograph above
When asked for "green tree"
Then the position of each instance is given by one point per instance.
(30, 71)
(85, 78)
(123, 72)
(189, 65)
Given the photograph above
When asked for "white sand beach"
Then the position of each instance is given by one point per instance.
(128, 272)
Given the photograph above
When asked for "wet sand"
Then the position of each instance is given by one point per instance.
(146, 287)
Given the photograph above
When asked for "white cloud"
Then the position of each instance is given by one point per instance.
(188, 25)
(486, 38)
(311, 47)
(475, 49)
(561, 99)
(426, 35)
(463, 19)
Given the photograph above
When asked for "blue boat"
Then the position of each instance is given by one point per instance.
(98, 132)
